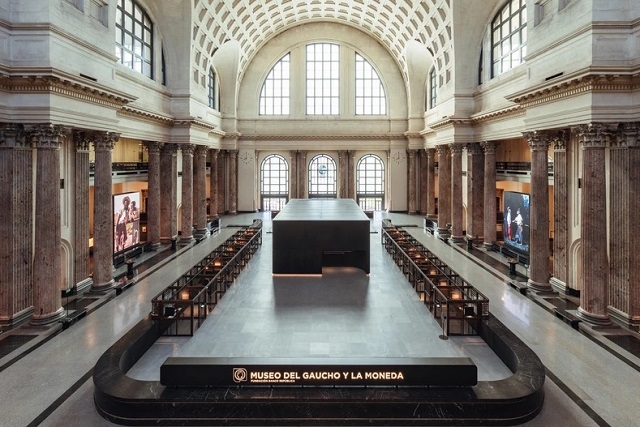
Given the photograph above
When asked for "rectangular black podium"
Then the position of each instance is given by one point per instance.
(311, 233)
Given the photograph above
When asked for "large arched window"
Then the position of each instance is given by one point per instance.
(274, 183)
(370, 183)
(274, 96)
(134, 37)
(322, 177)
(509, 37)
(323, 79)
(370, 97)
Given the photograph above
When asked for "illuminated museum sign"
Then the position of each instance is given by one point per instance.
(228, 372)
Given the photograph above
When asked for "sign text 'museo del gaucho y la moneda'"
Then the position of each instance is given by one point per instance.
(234, 372)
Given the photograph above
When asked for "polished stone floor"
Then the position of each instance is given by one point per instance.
(343, 313)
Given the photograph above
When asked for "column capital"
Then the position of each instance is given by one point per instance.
(153, 147)
(233, 154)
(187, 149)
(538, 140)
(456, 149)
(627, 135)
(431, 152)
(201, 150)
(594, 135)
(12, 135)
(47, 136)
(214, 153)
(474, 148)
(169, 149)
(559, 140)
(105, 141)
(442, 149)
(82, 141)
(489, 147)
(411, 153)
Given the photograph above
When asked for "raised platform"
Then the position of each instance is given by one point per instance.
(510, 401)
(311, 233)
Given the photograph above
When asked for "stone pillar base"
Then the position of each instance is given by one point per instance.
(187, 240)
(444, 232)
(201, 233)
(593, 319)
(558, 285)
(538, 286)
(432, 217)
(37, 320)
(83, 285)
(154, 246)
(103, 287)
(488, 245)
(16, 319)
(457, 239)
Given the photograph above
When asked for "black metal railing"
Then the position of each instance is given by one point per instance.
(456, 305)
(184, 305)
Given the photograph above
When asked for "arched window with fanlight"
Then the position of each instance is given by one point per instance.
(274, 183)
(322, 177)
(509, 37)
(134, 37)
(370, 183)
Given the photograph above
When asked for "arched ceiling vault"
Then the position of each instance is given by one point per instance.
(254, 22)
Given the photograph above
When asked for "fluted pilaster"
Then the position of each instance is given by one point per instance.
(489, 148)
(81, 279)
(186, 235)
(342, 174)
(154, 195)
(539, 211)
(456, 192)
(351, 170)
(47, 259)
(624, 242)
(200, 190)
(103, 232)
(303, 170)
(431, 184)
(16, 225)
(594, 296)
(422, 157)
(293, 177)
(475, 192)
(213, 184)
(223, 158)
(411, 181)
(168, 192)
(233, 181)
(560, 212)
(444, 190)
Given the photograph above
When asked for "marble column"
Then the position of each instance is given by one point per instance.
(475, 192)
(624, 241)
(342, 174)
(169, 192)
(200, 190)
(444, 191)
(539, 211)
(303, 170)
(293, 177)
(223, 157)
(233, 182)
(47, 257)
(411, 181)
(594, 296)
(351, 171)
(560, 212)
(431, 184)
(456, 192)
(103, 244)
(16, 225)
(186, 235)
(213, 184)
(81, 275)
(490, 213)
(423, 181)
(154, 195)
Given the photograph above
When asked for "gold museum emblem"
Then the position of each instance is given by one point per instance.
(239, 375)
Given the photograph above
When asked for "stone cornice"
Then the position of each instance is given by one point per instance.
(137, 113)
(195, 123)
(450, 121)
(508, 111)
(47, 80)
(322, 137)
(577, 84)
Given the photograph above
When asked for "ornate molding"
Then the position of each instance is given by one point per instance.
(82, 140)
(105, 141)
(47, 136)
(456, 149)
(594, 135)
(322, 137)
(627, 135)
(450, 121)
(43, 81)
(12, 135)
(509, 111)
(538, 140)
(474, 148)
(137, 113)
(489, 147)
(153, 147)
(187, 149)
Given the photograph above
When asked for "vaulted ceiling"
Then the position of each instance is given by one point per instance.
(254, 22)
